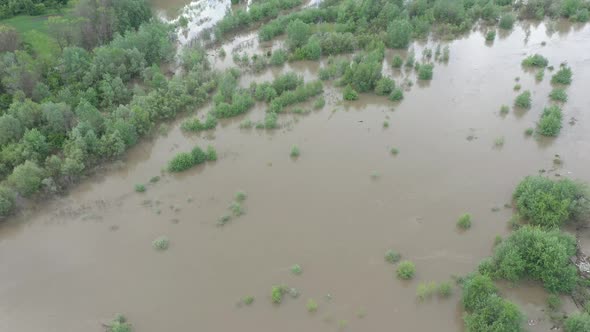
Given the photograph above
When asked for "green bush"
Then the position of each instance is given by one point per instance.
(406, 270)
(296, 269)
(491, 35)
(553, 301)
(507, 21)
(445, 289)
(497, 314)
(181, 162)
(312, 305)
(300, 94)
(562, 76)
(464, 221)
(349, 93)
(319, 103)
(550, 203)
(161, 243)
(384, 86)
(535, 60)
(211, 153)
(476, 290)
(197, 125)
(396, 95)
(398, 34)
(287, 82)
(140, 188)
(558, 94)
(425, 290)
(504, 109)
(392, 256)
(7, 198)
(578, 322)
(278, 57)
(523, 100)
(550, 121)
(276, 294)
(298, 32)
(425, 71)
(533, 253)
(397, 61)
(119, 324)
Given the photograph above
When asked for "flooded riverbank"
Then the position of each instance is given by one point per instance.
(335, 210)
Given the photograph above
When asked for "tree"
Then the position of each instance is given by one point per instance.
(26, 178)
(298, 33)
(578, 322)
(19, 72)
(11, 129)
(35, 147)
(66, 31)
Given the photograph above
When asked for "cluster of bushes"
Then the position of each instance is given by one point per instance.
(486, 310)
(196, 124)
(535, 60)
(9, 8)
(258, 11)
(550, 203)
(300, 94)
(229, 99)
(186, 160)
(365, 70)
(562, 76)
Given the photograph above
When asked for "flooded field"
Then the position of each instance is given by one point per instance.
(72, 263)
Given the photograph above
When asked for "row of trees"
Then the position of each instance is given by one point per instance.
(9, 8)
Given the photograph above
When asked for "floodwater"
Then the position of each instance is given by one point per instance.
(75, 261)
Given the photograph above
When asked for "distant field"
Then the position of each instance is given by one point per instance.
(33, 30)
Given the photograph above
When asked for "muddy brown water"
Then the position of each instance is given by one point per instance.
(72, 263)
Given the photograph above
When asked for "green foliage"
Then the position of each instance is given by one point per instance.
(406, 270)
(384, 86)
(535, 60)
(504, 109)
(161, 243)
(578, 322)
(445, 289)
(550, 121)
(562, 76)
(392, 256)
(26, 178)
(491, 35)
(319, 103)
(298, 32)
(119, 324)
(531, 252)
(181, 162)
(397, 61)
(277, 293)
(464, 221)
(394, 151)
(496, 315)
(554, 302)
(425, 290)
(398, 34)
(248, 300)
(507, 21)
(236, 208)
(140, 188)
(540, 75)
(278, 57)
(558, 94)
(300, 94)
(550, 203)
(287, 82)
(312, 305)
(295, 151)
(296, 269)
(396, 95)
(529, 131)
(240, 196)
(425, 71)
(196, 124)
(476, 290)
(523, 100)
(7, 198)
(349, 93)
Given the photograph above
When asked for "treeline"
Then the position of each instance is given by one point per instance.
(9, 8)
(61, 116)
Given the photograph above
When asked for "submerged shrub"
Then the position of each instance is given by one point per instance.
(535, 60)
(398, 34)
(476, 290)
(396, 95)
(319, 103)
(278, 57)
(507, 21)
(406, 270)
(296, 269)
(294, 151)
(550, 203)
(161, 243)
(392, 256)
(562, 76)
(384, 86)
(119, 324)
(497, 315)
(276, 294)
(445, 289)
(425, 290)
(464, 221)
(397, 61)
(185, 160)
(531, 252)
(425, 71)
(558, 94)
(240, 196)
(523, 100)
(491, 35)
(211, 154)
(349, 93)
(550, 122)
(578, 322)
(312, 305)
(7, 198)
(139, 188)
(196, 124)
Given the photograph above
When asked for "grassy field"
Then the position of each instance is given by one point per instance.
(33, 30)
